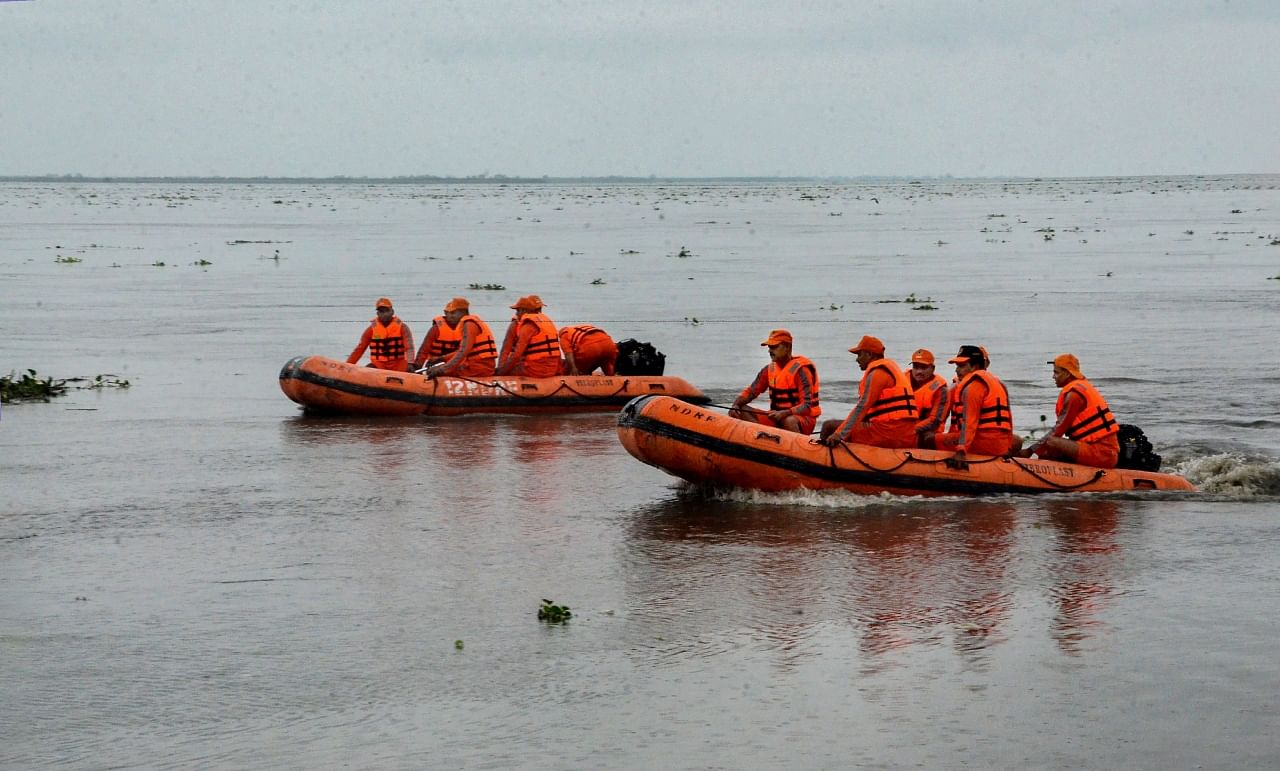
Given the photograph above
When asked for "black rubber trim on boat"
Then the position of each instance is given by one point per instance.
(630, 417)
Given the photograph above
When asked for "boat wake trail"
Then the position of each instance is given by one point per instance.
(1233, 475)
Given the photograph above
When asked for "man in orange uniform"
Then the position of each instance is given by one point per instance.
(982, 422)
(930, 390)
(585, 348)
(1086, 431)
(885, 415)
(531, 347)
(458, 344)
(792, 383)
(388, 339)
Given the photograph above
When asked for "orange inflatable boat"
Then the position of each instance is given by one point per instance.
(327, 385)
(707, 447)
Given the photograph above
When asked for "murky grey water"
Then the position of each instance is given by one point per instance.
(194, 574)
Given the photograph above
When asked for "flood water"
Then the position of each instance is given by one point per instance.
(194, 574)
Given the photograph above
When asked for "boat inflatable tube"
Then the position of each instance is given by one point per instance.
(709, 448)
(325, 385)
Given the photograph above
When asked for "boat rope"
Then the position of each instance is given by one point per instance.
(1099, 474)
(831, 451)
(564, 386)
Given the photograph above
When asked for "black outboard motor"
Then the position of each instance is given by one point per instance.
(1136, 452)
(636, 358)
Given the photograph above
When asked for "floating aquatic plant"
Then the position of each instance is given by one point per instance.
(30, 387)
(598, 282)
(67, 259)
(554, 614)
(488, 287)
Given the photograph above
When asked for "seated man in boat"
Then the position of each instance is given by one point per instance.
(531, 347)
(1086, 431)
(981, 419)
(885, 415)
(792, 383)
(586, 348)
(930, 390)
(387, 338)
(459, 344)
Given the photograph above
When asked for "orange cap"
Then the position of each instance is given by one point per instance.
(778, 336)
(457, 304)
(868, 343)
(529, 303)
(921, 356)
(1069, 362)
(382, 302)
(969, 353)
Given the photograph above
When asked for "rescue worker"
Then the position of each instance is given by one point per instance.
(792, 383)
(885, 415)
(1086, 431)
(930, 390)
(586, 348)
(388, 339)
(531, 347)
(982, 421)
(459, 344)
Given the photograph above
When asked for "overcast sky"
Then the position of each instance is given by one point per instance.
(663, 87)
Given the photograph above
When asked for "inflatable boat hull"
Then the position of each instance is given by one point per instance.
(326, 385)
(707, 447)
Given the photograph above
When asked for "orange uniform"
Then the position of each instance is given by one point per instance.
(885, 414)
(388, 344)
(981, 417)
(587, 347)
(535, 351)
(794, 386)
(442, 340)
(931, 403)
(1085, 418)
(475, 353)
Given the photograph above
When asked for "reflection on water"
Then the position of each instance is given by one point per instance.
(1082, 566)
(922, 575)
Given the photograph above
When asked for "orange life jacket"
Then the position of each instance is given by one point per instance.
(446, 341)
(896, 402)
(994, 414)
(571, 338)
(926, 394)
(386, 345)
(544, 344)
(483, 347)
(1094, 422)
(784, 385)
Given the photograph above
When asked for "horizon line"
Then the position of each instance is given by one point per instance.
(610, 178)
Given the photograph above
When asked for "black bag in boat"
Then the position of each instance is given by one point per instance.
(636, 358)
(1136, 452)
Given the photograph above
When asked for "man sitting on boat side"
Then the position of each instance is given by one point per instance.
(930, 391)
(981, 419)
(792, 383)
(586, 348)
(458, 344)
(387, 338)
(885, 415)
(531, 347)
(1086, 431)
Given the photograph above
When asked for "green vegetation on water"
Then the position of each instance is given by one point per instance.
(30, 387)
(554, 614)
